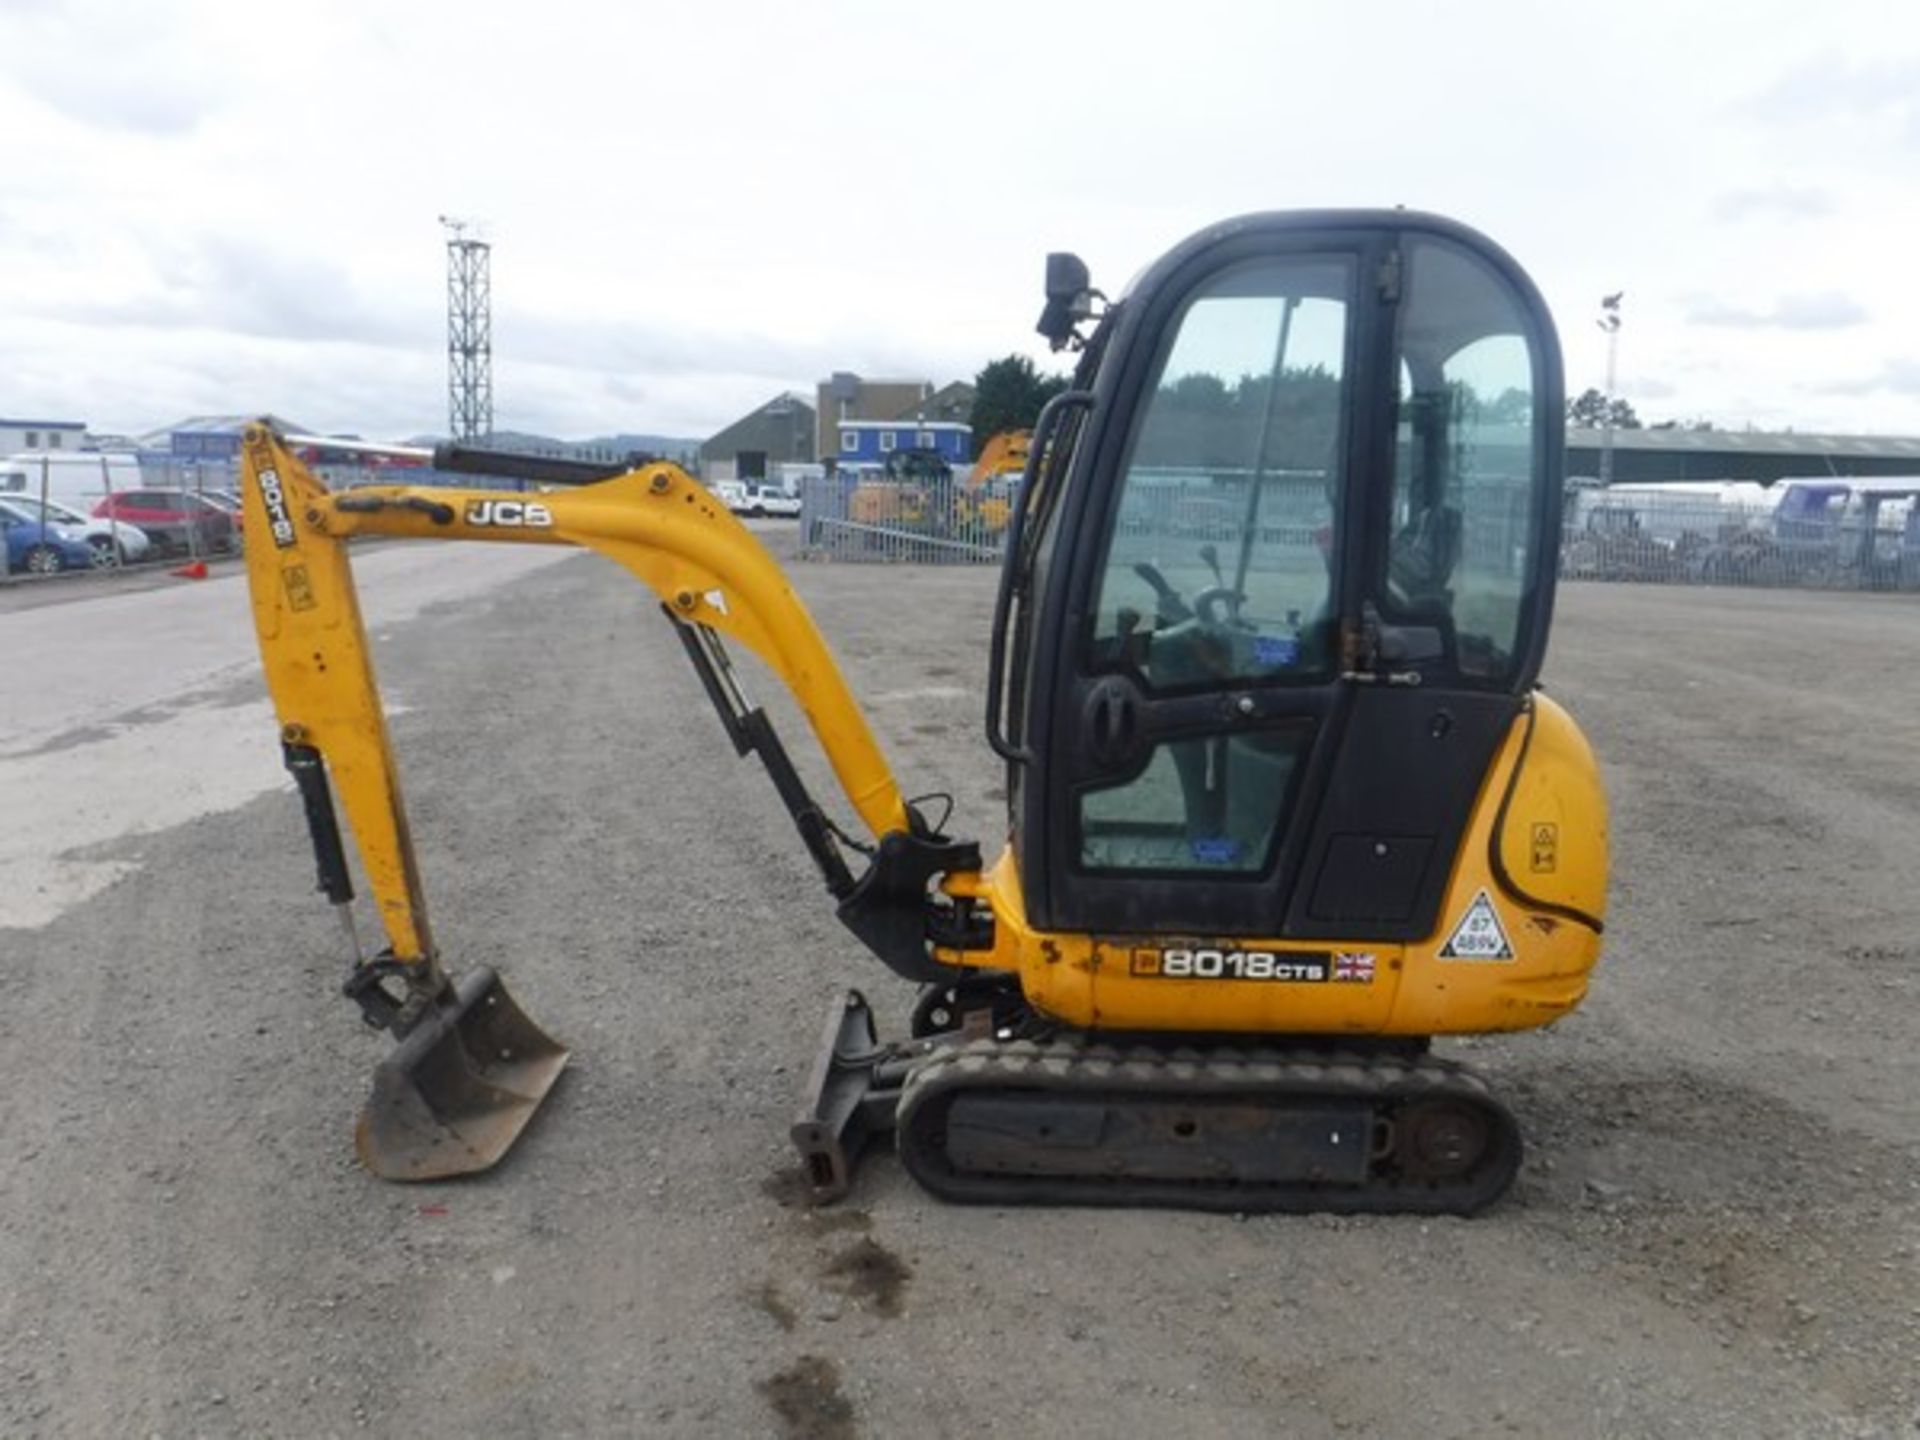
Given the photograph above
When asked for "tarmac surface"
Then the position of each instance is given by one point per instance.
(1717, 1232)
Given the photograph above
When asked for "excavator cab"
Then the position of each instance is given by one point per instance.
(1280, 581)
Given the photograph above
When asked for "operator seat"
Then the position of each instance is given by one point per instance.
(1425, 552)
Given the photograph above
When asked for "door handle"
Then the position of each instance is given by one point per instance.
(1113, 729)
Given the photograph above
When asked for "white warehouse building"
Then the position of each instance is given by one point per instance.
(17, 436)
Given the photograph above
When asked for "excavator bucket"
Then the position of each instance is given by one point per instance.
(456, 1092)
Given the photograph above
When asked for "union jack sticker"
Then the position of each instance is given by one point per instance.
(1353, 965)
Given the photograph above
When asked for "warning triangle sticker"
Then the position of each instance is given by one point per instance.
(1479, 935)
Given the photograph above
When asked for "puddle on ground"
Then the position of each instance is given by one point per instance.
(870, 1274)
(787, 1187)
(769, 1299)
(806, 1396)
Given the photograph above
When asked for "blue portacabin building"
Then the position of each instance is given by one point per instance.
(870, 442)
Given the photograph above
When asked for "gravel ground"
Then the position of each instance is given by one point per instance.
(1717, 1232)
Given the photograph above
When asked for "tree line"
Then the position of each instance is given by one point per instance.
(1010, 392)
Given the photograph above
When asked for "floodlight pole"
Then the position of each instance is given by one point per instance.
(1610, 322)
(469, 334)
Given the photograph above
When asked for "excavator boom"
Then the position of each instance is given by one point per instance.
(471, 1067)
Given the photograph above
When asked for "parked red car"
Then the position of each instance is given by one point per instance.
(176, 520)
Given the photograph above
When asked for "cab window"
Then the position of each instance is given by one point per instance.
(1468, 450)
(1219, 561)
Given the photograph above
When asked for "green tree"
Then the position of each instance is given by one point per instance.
(1201, 392)
(1008, 394)
(1589, 408)
(1284, 423)
(1509, 407)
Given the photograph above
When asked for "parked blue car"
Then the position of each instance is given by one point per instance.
(38, 550)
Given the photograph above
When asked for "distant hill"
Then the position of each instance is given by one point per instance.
(600, 447)
(667, 445)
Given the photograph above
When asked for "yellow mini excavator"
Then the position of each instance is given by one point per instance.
(984, 503)
(1284, 800)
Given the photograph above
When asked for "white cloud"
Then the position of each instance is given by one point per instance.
(1830, 310)
(1898, 377)
(242, 286)
(115, 67)
(1784, 202)
(227, 207)
(1835, 87)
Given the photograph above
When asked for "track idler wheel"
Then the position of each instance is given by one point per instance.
(1441, 1140)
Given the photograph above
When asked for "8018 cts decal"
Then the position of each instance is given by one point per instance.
(1204, 963)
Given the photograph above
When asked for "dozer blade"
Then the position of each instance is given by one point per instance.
(456, 1092)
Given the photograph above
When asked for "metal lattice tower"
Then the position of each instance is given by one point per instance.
(469, 334)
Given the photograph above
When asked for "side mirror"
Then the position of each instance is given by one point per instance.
(1069, 298)
(1067, 276)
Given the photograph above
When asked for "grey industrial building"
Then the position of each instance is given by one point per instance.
(1640, 455)
(779, 432)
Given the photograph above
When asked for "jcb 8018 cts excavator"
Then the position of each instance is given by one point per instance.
(1284, 799)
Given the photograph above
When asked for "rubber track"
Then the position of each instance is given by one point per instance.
(1085, 1067)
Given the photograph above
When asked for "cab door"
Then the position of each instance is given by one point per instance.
(1291, 608)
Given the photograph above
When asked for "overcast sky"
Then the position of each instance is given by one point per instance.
(226, 207)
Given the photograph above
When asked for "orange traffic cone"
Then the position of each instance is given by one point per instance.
(197, 570)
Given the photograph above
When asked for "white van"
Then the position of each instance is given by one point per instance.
(79, 478)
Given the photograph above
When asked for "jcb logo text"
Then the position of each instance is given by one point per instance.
(519, 513)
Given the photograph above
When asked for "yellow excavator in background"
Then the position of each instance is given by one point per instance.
(985, 499)
(915, 493)
(909, 492)
(1285, 801)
